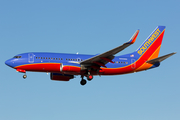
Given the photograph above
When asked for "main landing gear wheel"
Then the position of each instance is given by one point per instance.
(89, 77)
(83, 82)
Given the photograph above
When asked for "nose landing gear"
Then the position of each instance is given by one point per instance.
(24, 76)
(22, 71)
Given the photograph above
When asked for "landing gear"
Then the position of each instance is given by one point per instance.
(25, 76)
(89, 77)
(83, 82)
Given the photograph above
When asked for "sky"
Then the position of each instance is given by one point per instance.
(88, 27)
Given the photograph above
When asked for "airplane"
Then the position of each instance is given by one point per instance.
(63, 67)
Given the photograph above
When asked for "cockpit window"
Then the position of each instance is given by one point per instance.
(17, 56)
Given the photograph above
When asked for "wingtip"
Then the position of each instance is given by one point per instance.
(133, 38)
(173, 53)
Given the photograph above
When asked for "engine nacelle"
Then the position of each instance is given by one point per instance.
(61, 77)
(70, 67)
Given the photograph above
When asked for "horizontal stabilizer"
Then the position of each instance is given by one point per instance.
(159, 59)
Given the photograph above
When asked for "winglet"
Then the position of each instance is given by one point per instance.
(133, 38)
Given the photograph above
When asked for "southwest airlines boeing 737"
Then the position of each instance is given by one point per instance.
(64, 67)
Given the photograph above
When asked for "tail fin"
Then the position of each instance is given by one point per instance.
(151, 46)
(149, 49)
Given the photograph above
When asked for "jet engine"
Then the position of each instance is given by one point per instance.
(61, 77)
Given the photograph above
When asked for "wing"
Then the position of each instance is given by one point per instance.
(104, 58)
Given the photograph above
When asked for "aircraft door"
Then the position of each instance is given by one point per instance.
(133, 63)
(30, 57)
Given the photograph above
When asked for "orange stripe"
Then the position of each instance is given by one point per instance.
(147, 65)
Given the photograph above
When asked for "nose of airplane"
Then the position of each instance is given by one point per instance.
(9, 63)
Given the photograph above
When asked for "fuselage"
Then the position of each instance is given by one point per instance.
(52, 62)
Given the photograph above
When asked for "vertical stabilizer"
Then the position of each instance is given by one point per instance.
(150, 48)
(152, 44)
